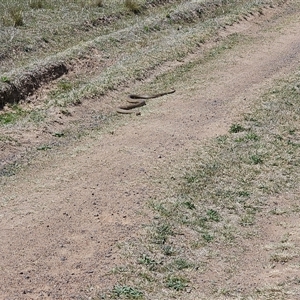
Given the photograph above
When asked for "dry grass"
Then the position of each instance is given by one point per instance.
(221, 204)
(150, 51)
(220, 200)
(133, 6)
(37, 4)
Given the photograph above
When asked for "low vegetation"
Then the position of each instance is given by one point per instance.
(110, 31)
(133, 6)
(223, 197)
(221, 204)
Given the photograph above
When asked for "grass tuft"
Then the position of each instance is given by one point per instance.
(133, 6)
(13, 116)
(98, 3)
(5, 79)
(92, 3)
(16, 15)
(37, 4)
(126, 292)
(176, 283)
(235, 128)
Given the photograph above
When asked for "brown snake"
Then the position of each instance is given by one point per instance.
(135, 102)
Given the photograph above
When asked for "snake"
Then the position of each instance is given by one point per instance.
(138, 101)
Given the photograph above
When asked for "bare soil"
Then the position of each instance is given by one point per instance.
(64, 214)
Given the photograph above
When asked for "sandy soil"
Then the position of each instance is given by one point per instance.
(63, 215)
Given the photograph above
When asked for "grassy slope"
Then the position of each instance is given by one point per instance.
(126, 49)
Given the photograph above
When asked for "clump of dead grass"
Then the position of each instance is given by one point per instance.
(133, 6)
(13, 17)
(92, 3)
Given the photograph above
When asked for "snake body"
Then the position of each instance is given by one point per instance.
(138, 101)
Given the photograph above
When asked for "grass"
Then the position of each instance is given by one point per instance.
(220, 199)
(37, 4)
(11, 117)
(176, 283)
(126, 292)
(221, 203)
(5, 79)
(92, 3)
(133, 6)
(235, 128)
(16, 15)
(117, 37)
(17, 113)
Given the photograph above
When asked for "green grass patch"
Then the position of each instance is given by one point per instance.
(176, 283)
(17, 113)
(126, 292)
(13, 116)
(234, 128)
(5, 79)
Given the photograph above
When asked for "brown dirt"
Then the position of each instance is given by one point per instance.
(63, 215)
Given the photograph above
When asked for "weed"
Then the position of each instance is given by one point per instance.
(281, 257)
(256, 159)
(247, 219)
(213, 215)
(292, 131)
(243, 194)
(149, 262)
(189, 205)
(162, 232)
(161, 209)
(181, 264)
(43, 148)
(222, 139)
(58, 134)
(176, 283)
(119, 270)
(235, 128)
(207, 237)
(37, 116)
(251, 136)
(13, 116)
(201, 222)
(191, 178)
(127, 291)
(64, 85)
(168, 250)
(66, 112)
(5, 79)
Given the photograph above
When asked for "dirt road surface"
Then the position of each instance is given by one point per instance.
(62, 216)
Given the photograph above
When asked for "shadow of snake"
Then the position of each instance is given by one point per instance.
(138, 101)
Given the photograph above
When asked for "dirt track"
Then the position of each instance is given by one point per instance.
(62, 216)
